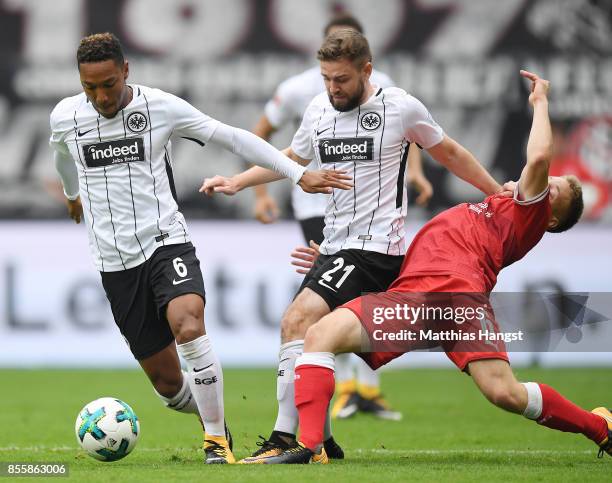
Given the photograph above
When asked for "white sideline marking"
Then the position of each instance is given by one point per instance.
(358, 451)
(486, 451)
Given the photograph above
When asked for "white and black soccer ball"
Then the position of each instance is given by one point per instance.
(107, 429)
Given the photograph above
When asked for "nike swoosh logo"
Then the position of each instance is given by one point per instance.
(321, 282)
(322, 131)
(82, 133)
(200, 370)
(178, 282)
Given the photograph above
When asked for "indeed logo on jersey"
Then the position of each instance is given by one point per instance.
(114, 152)
(346, 149)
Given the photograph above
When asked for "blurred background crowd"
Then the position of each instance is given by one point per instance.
(460, 57)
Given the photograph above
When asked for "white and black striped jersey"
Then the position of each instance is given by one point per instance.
(125, 171)
(370, 142)
(288, 106)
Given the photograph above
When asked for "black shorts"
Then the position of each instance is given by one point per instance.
(139, 296)
(312, 229)
(347, 274)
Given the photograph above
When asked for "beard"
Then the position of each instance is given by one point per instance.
(350, 103)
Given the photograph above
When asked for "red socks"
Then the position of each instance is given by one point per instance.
(314, 388)
(563, 415)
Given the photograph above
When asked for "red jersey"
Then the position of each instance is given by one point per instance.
(476, 240)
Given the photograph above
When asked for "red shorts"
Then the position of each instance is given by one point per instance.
(460, 352)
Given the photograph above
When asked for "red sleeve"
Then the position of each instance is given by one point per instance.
(530, 219)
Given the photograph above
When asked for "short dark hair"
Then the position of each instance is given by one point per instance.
(575, 208)
(100, 47)
(346, 44)
(343, 20)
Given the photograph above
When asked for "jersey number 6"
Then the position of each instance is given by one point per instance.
(179, 267)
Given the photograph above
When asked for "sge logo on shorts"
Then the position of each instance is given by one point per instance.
(346, 149)
(207, 381)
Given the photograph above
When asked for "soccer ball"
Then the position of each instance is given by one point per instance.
(107, 429)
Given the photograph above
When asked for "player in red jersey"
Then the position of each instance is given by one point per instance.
(460, 250)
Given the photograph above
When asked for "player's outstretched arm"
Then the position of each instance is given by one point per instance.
(230, 186)
(321, 181)
(462, 163)
(534, 177)
(265, 210)
(257, 151)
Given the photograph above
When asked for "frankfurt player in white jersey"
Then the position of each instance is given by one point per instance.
(292, 97)
(112, 150)
(366, 130)
(288, 106)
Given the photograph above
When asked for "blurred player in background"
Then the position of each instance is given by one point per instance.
(112, 150)
(366, 130)
(287, 107)
(462, 250)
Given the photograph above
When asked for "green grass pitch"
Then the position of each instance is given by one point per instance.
(449, 431)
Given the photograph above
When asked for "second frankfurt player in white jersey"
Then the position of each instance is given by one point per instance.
(288, 107)
(366, 130)
(371, 143)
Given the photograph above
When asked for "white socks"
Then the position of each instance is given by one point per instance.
(345, 363)
(183, 401)
(322, 359)
(344, 368)
(291, 355)
(205, 380)
(534, 400)
(287, 419)
(366, 376)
